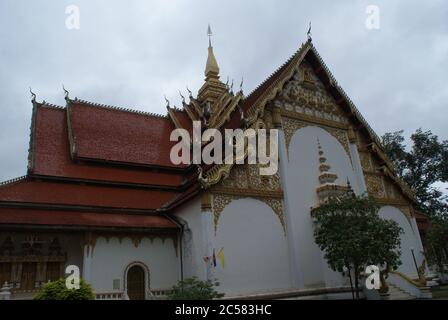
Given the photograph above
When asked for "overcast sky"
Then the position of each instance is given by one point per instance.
(131, 53)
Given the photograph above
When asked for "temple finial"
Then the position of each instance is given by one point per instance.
(308, 34)
(167, 102)
(209, 34)
(182, 97)
(211, 68)
(66, 93)
(33, 95)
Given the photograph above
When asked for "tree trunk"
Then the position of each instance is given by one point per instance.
(351, 282)
(356, 281)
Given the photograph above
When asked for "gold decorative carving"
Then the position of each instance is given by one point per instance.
(276, 206)
(290, 126)
(249, 192)
(305, 95)
(352, 135)
(364, 157)
(257, 108)
(312, 120)
(220, 172)
(245, 181)
(206, 201)
(220, 201)
(276, 117)
(375, 185)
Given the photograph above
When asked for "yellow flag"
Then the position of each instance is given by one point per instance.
(221, 257)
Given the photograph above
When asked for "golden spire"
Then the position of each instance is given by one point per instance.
(211, 68)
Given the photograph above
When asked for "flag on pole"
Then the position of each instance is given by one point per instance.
(214, 258)
(221, 257)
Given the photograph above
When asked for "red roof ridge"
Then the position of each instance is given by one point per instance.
(13, 180)
(275, 73)
(116, 108)
(49, 105)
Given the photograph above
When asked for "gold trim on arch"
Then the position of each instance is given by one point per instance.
(220, 201)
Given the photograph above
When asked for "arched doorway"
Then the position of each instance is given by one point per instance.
(135, 280)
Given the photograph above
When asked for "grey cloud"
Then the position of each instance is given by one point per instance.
(132, 53)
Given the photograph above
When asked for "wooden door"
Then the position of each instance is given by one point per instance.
(136, 283)
(53, 271)
(28, 276)
(5, 273)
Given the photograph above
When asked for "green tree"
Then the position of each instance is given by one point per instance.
(57, 290)
(437, 243)
(194, 289)
(425, 163)
(352, 236)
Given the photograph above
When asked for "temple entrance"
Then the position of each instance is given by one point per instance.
(28, 276)
(136, 283)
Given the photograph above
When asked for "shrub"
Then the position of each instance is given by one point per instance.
(57, 290)
(352, 235)
(194, 289)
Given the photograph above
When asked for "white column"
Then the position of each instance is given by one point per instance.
(207, 235)
(357, 168)
(293, 246)
(418, 239)
(87, 263)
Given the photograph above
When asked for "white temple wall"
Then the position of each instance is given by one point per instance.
(303, 171)
(409, 240)
(193, 239)
(111, 258)
(255, 249)
(72, 245)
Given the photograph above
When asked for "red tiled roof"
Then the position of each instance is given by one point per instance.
(107, 134)
(74, 194)
(83, 219)
(184, 120)
(51, 155)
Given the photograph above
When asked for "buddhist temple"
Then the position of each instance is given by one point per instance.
(101, 192)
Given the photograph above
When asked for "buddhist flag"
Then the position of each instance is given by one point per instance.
(221, 257)
(214, 258)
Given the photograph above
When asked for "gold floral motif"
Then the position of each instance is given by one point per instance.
(290, 126)
(220, 201)
(341, 136)
(222, 171)
(258, 107)
(247, 177)
(375, 185)
(276, 206)
(245, 181)
(305, 94)
(364, 157)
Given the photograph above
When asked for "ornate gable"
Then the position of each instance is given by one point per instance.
(304, 100)
(300, 93)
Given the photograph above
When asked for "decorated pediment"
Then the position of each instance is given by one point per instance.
(305, 94)
(244, 181)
